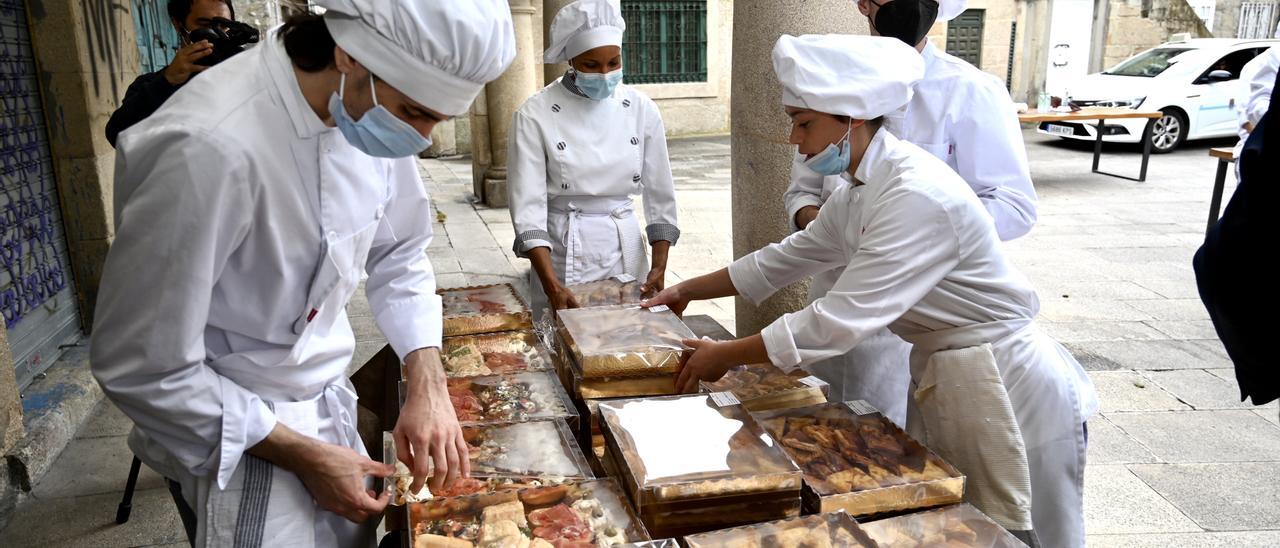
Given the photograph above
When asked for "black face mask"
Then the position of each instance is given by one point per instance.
(906, 20)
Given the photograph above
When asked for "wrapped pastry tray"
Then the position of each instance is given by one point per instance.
(630, 386)
(854, 459)
(503, 399)
(690, 452)
(590, 512)
(617, 290)
(402, 479)
(835, 529)
(494, 354)
(660, 543)
(483, 309)
(763, 387)
(958, 525)
(618, 341)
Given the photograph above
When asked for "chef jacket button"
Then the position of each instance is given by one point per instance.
(560, 145)
(626, 103)
(378, 214)
(635, 141)
(555, 108)
(333, 235)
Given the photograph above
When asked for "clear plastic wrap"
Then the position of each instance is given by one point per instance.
(661, 543)
(494, 354)
(762, 387)
(685, 449)
(591, 512)
(958, 525)
(483, 309)
(614, 291)
(833, 530)
(859, 461)
(618, 341)
(510, 398)
(402, 479)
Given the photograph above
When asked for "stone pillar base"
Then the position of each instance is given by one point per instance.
(495, 192)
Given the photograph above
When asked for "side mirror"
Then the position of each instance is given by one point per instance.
(1219, 76)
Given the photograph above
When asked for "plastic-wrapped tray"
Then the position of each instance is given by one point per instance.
(494, 354)
(959, 525)
(660, 543)
(510, 398)
(835, 529)
(483, 309)
(690, 449)
(591, 512)
(611, 387)
(617, 290)
(617, 341)
(854, 459)
(402, 479)
(762, 387)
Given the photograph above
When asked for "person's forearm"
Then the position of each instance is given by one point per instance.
(283, 447)
(660, 250)
(424, 375)
(749, 349)
(710, 286)
(540, 258)
(805, 216)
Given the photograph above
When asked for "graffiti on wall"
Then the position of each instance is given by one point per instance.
(101, 27)
(31, 271)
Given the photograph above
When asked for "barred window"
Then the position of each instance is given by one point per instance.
(665, 42)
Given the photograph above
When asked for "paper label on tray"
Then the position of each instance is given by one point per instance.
(722, 399)
(813, 381)
(625, 278)
(659, 308)
(861, 407)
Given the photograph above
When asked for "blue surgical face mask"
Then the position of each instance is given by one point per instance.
(833, 160)
(378, 133)
(595, 85)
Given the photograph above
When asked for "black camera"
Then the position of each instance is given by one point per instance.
(228, 38)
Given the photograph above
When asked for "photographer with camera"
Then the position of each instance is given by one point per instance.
(209, 35)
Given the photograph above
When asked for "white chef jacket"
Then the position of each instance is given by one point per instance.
(242, 226)
(563, 145)
(964, 117)
(919, 255)
(1260, 75)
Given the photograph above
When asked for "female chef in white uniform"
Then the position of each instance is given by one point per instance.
(920, 255)
(247, 209)
(579, 149)
(964, 117)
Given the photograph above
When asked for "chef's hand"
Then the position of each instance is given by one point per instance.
(335, 477)
(654, 282)
(707, 361)
(561, 299)
(184, 62)
(427, 434)
(673, 297)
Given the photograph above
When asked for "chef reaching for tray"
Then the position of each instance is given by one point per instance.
(991, 393)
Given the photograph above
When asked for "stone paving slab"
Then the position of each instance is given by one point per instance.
(106, 420)
(1220, 497)
(1131, 391)
(1116, 501)
(1109, 444)
(1158, 354)
(93, 466)
(1203, 436)
(1187, 330)
(1172, 309)
(90, 521)
(1088, 331)
(1257, 539)
(1203, 389)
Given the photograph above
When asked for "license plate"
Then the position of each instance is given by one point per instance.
(1059, 130)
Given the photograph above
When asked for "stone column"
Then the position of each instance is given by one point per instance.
(761, 155)
(504, 95)
(549, 10)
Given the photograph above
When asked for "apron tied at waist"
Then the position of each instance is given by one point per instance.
(965, 415)
(619, 210)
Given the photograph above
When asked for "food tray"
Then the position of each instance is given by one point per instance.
(483, 309)
(959, 525)
(763, 387)
(494, 354)
(503, 399)
(616, 341)
(617, 290)
(835, 529)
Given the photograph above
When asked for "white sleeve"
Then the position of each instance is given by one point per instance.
(527, 184)
(1261, 83)
(805, 190)
(183, 207)
(909, 246)
(818, 248)
(402, 286)
(659, 187)
(992, 158)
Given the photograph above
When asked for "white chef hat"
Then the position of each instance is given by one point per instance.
(437, 52)
(584, 25)
(863, 77)
(949, 9)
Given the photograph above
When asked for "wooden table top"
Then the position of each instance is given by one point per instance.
(1223, 153)
(1091, 113)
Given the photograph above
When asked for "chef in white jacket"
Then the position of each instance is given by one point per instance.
(579, 150)
(246, 211)
(917, 252)
(964, 117)
(1259, 75)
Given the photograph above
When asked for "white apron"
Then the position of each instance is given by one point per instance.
(1035, 371)
(594, 238)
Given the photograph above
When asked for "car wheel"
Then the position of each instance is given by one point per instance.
(1168, 132)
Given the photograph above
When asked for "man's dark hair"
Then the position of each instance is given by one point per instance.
(308, 42)
(180, 9)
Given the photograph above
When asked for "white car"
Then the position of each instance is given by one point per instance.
(1194, 82)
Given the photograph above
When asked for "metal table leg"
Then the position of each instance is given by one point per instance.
(1146, 152)
(1215, 204)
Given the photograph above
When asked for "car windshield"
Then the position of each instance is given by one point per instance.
(1149, 63)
